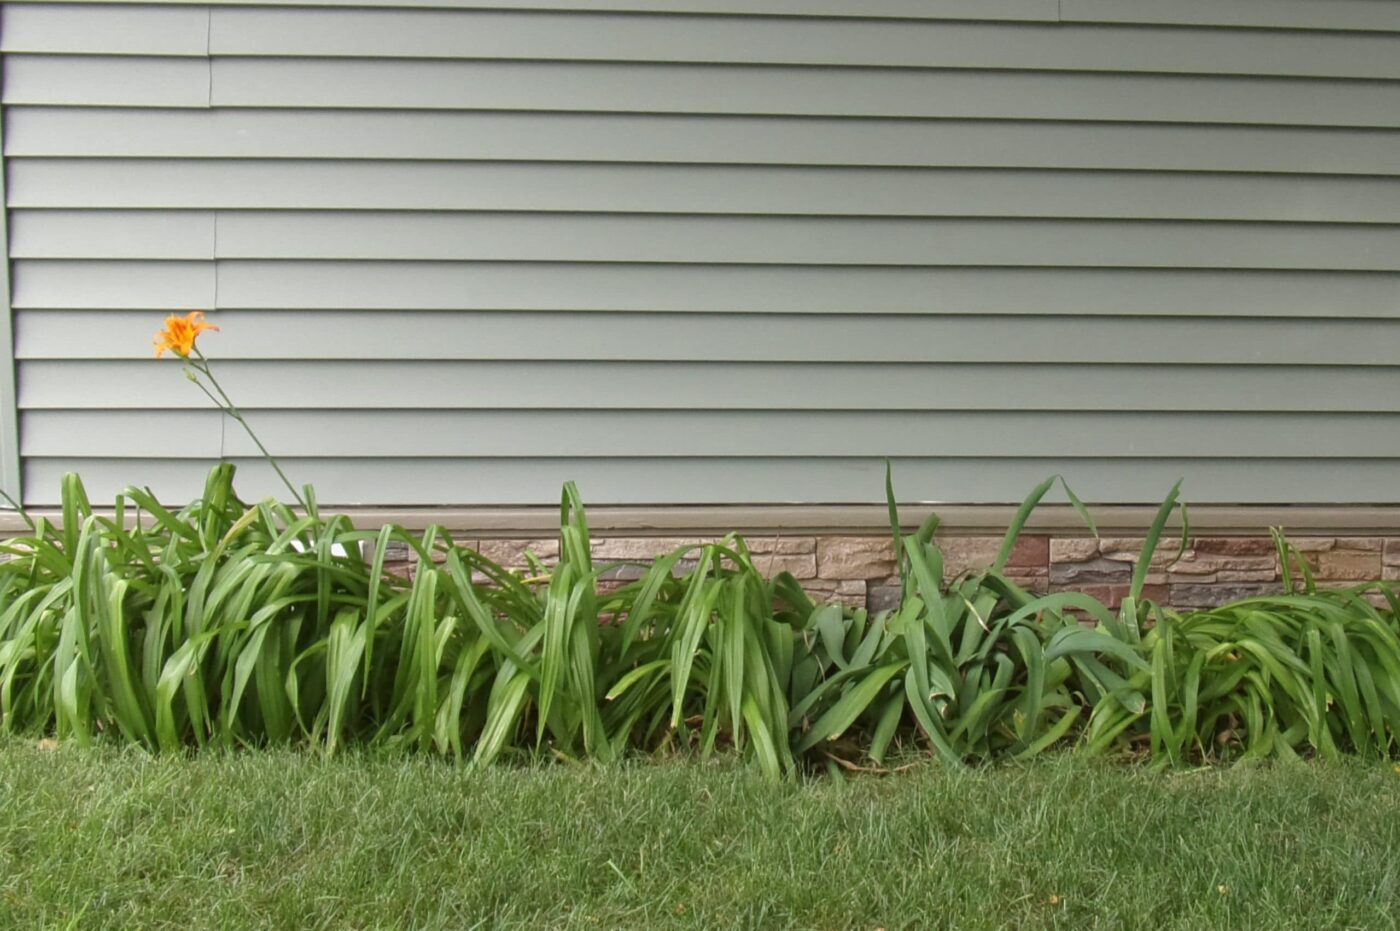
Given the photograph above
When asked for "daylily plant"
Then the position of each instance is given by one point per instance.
(179, 337)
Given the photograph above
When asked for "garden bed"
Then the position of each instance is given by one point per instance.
(234, 625)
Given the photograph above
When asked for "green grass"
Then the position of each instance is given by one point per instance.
(121, 838)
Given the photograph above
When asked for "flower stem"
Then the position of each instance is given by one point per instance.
(225, 403)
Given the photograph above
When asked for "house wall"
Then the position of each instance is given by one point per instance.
(726, 253)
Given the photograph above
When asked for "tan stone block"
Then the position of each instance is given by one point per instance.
(622, 572)
(1355, 565)
(1391, 573)
(855, 557)
(968, 554)
(1196, 564)
(1313, 544)
(1130, 549)
(1310, 559)
(1362, 544)
(782, 545)
(849, 592)
(1246, 575)
(1073, 549)
(1191, 564)
(1208, 578)
(512, 552)
(1392, 552)
(800, 565)
(402, 569)
(642, 549)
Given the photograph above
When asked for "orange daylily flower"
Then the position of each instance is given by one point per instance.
(180, 332)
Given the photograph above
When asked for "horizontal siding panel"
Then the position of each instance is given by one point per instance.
(272, 184)
(1350, 15)
(1015, 10)
(116, 285)
(375, 83)
(792, 289)
(341, 385)
(96, 234)
(105, 285)
(104, 28)
(263, 31)
(434, 335)
(720, 140)
(748, 481)
(106, 81)
(752, 240)
(1378, 15)
(129, 434)
(689, 434)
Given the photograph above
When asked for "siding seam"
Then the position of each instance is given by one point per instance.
(214, 260)
(10, 468)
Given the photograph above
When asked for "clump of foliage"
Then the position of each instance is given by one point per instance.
(230, 624)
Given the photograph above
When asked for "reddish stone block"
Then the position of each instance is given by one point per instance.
(1234, 546)
(1030, 552)
(1391, 555)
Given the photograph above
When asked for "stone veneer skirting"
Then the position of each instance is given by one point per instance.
(859, 570)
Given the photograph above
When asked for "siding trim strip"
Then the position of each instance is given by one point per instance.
(1044, 11)
(755, 520)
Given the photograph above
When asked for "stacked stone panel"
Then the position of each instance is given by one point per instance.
(860, 571)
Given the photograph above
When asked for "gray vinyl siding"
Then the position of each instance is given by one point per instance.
(712, 251)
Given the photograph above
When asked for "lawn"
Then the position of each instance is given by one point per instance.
(120, 838)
